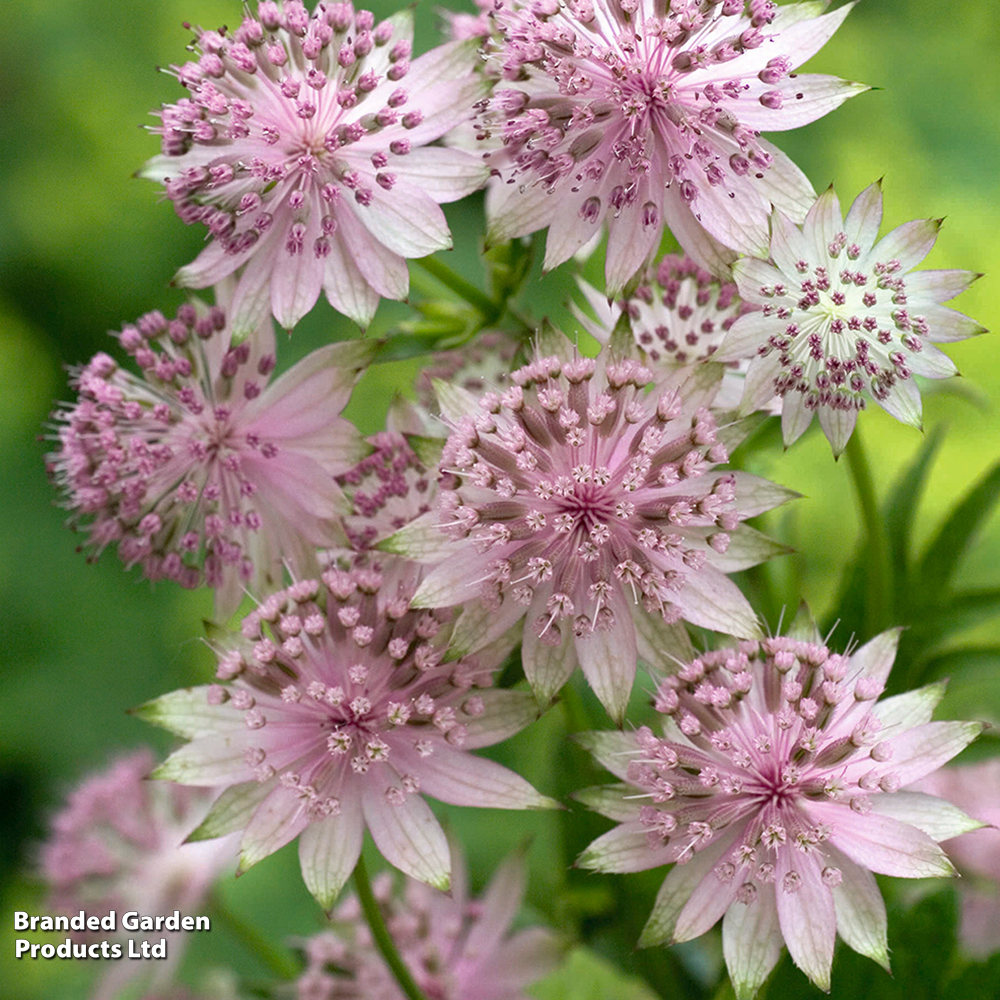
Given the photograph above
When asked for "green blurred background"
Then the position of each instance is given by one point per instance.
(85, 248)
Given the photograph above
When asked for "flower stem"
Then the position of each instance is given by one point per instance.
(458, 284)
(373, 915)
(276, 959)
(877, 576)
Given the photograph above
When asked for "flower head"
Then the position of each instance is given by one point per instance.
(579, 502)
(387, 489)
(303, 147)
(974, 788)
(775, 792)
(844, 317)
(679, 314)
(457, 948)
(118, 844)
(202, 469)
(615, 113)
(336, 710)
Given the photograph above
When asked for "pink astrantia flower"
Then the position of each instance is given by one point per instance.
(594, 511)
(118, 844)
(303, 147)
(616, 112)
(678, 314)
(775, 792)
(387, 489)
(843, 319)
(456, 947)
(202, 469)
(336, 711)
(974, 788)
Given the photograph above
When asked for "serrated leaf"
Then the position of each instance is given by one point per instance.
(946, 550)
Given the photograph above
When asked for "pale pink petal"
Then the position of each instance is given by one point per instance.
(280, 818)
(709, 901)
(621, 850)
(675, 892)
(409, 836)
(751, 942)
(909, 243)
(882, 844)
(329, 849)
(875, 658)
(925, 748)
(346, 287)
(804, 99)
(504, 713)
(608, 659)
(930, 287)
(939, 819)
(838, 425)
(462, 779)
(914, 708)
(861, 918)
(805, 914)
(903, 402)
(445, 174)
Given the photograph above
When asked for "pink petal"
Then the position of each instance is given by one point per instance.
(382, 268)
(445, 174)
(608, 660)
(875, 658)
(838, 425)
(504, 714)
(751, 942)
(939, 819)
(280, 818)
(296, 279)
(676, 891)
(925, 748)
(408, 835)
(806, 98)
(209, 761)
(612, 750)
(498, 907)
(621, 850)
(806, 916)
(861, 919)
(346, 287)
(931, 287)
(882, 844)
(824, 221)
(329, 849)
(610, 800)
(795, 418)
(462, 779)
(232, 810)
(709, 901)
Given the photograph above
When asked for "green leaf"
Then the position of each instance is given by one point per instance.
(586, 976)
(900, 505)
(944, 553)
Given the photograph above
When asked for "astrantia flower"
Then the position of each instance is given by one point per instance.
(843, 319)
(387, 489)
(455, 947)
(647, 116)
(336, 712)
(118, 844)
(975, 788)
(303, 146)
(679, 314)
(200, 469)
(775, 793)
(592, 509)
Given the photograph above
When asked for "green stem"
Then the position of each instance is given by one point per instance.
(276, 959)
(458, 284)
(381, 933)
(877, 577)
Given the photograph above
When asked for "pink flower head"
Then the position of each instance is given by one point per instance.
(775, 793)
(118, 844)
(593, 510)
(679, 314)
(974, 788)
(480, 26)
(456, 948)
(303, 147)
(387, 489)
(203, 469)
(844, 317)
(336, 710)
(615, 113)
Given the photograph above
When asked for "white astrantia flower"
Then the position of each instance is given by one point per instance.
(844, 317)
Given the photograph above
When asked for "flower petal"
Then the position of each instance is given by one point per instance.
(608, 659)
(751, 942)
(329, 849)
(806, 915)
(939, 819)
(621, 850)
(861, 919)
(409, 836)
(279, 819)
